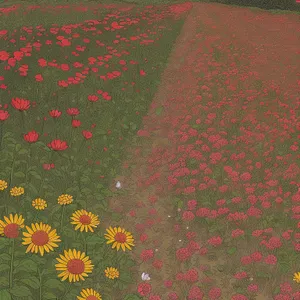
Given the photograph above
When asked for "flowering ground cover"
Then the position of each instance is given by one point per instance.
(75, 82)
(213, 188)
(118, 185)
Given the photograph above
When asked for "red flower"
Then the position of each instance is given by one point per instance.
(4, 55)
(146, 254)
(195, 293)
(73, 111)
(3, 115)
(58, 145)
(192, 275)
(76, 123)
(144, 289)
(214, 293)
(54, 113)
(93, 98)
(20, 104)
(31, 136)
(87, 134)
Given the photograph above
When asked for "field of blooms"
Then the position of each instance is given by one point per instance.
(149, 153)
(75, 82)
(216, 207)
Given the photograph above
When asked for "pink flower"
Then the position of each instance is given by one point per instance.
(188, 216)
(256, 256)
(241, 275)
(237, 232)
(173, 296)
(192, 204)
(157, 264)
(271, 259)
(214, 293)
(183, 254)
(246, 260)
(154, 297)
(192, 275)
(215, 241)
(286, 288)
(146, 254)
(144, 289)
(168, 283)
(239, 297)
(252, 288)
(195, 293)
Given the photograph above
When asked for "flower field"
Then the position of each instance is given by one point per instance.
(149, 153)
(73, 93)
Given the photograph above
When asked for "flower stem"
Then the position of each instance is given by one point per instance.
(62, 218)
(11, 264)
(85, 245)
(1, 134)
(40, 289)
(12, 171)
(28, 163)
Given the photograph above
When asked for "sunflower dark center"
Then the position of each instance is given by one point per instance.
(91, 297)
(120, 237)
(40, 238)
(11, 231)
(85, 220)
(75, 266)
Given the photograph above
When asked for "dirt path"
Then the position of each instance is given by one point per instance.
(149, 204)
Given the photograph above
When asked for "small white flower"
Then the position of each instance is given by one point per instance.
(179, 240)
(118, 185)
(145, 277)
(169, 216)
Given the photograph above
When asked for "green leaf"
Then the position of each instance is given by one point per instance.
(42, 145)
(159, 110)
(19, 174)
(27, 265)
(49, 295)
(20, 291)
(12, 140)
(32, 188)
(35, 175)
(4, 267)
(231, 250)
(54, 284)
(125, 277)
(132, 297)
(23, 151)
(18, 147)
(32, 281)
(93, 240)
(180, 204)
(3, 283)
(5, 257)
(5, 295)
(277, 290)
(3, 243)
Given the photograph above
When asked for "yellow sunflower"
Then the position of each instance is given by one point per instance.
(111, 273)
(39, 204)
(119, 238)
(17, 191)
(3, 185)
(74, 265)
(10, 226)
(89, 294)
(297, 277)
(85, 221)
(40, 238)
(65, 199)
